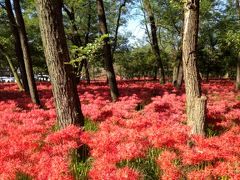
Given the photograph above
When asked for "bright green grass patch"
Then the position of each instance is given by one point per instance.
(81, 165)
(90, 125)
(146, 166)
(22, 176)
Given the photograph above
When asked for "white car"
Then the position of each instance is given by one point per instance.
(42, 77)
(7, 79)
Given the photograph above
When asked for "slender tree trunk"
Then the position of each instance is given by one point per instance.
(179, 75)
(87, 72)
(26, 53)
(180, 68)
(175, 73)
(17, 43)
(196, 103)
(14, 72)
(107, 52)
(87, 41)
(154, 44)
(65, 94)
(88, 22)
(117, 26)
(76, 39)
(238, 73)
(145, 22)
(238, 60)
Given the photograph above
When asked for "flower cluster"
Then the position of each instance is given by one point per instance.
(147, 115)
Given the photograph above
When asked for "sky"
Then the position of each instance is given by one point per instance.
(135, 27)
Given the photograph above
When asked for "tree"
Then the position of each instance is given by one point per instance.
(17, 43)
(26, 52)
(196, 103)
(65, 95)
(123, 3)
(13, 69)
(76, 39)
(108, 62)
(154, 40)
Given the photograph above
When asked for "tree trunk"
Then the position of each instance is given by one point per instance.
(238, 60)
(107, 52)
(175, 73)
(238, 73)
(87, 72)
(88, 22)
(76, 39)
(65, 94)
(179, 75)
(14, 72)
(123, 2)
(17, 43)
(196, 103)
(154, 44)
(26, 53)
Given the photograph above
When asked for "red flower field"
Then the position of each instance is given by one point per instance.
(145, 128)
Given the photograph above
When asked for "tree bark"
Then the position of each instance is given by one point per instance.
(155, 47)
(107, 52)
(179, 75)
(26, 53)
(65, 94)
(196, 103)
(238, 59)
(17, 44)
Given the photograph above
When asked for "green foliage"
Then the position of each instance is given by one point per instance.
(22, 176)
(89, 52)
(90, 125)
(136, 63)
(80, 168)
(147, 166)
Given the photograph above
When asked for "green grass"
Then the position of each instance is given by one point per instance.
(22, 176)
(81, 165)
(90, 125)
(146, 166)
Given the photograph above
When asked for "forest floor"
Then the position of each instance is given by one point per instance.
(141, 136)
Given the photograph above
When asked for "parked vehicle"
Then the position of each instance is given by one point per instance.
(6, 79)
(42, 77)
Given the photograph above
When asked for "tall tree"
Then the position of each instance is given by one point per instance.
(238, 60)
(196, 103)
(17, 44)
(108, 61)
(122, 4)
(154, 41)
(76, 39)
(66, 99)
(13, 69)
(26, 52)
